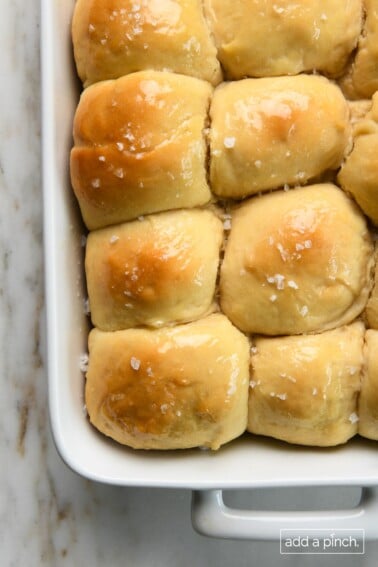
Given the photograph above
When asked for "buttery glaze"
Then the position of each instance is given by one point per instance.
(116, 37)
(368, 400)
(260, 133)
(157, 270)
(170, 388)
(140, 147)
(304, 389)
(284, 37)
(296, 262)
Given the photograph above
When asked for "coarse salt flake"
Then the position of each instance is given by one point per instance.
(113, 239)
(229, 142)
(83, 362)
(292, 284)
(304, 311)
(353, 418)
(134, 363)
(119, 173)
(96, 183)
(281, 396)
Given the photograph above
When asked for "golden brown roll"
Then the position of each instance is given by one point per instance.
(359, 173)
(112, 38)
(361, 80)
(371, 311)
(153, 271)
(140, 147)
(296, 262)
(260, 38)
(304, 389)
(274, 131)
(171, 388)
(368, 401)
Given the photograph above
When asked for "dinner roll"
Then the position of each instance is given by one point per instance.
(261, 38)
(112, 38)
(371, 311)
(368, 401)
(171, 388)
(274, 131)
(140, 147)
(304, 389)
(359, 173)
(361, 80)
(296, 262)
(156, 270)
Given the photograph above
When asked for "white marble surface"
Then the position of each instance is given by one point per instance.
(48, 515)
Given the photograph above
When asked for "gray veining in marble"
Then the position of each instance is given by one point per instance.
(48, 515)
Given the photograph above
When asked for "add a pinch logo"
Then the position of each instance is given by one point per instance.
(323, 541)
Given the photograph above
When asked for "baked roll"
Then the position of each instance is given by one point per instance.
(368, 401)
(361, 80)
(171, 388)
(140, 147)
(153, 271)
(260, 38)
(296, 262)
(359, 173)
(371, 312)
(269, 132)
(304, 389)
(112, 38)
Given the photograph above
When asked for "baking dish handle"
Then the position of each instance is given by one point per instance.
(211, 517)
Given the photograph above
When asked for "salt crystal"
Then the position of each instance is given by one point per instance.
(113, 239)
(120, 146)
(304, 311)
(258, 163)
(252, 384)
(273, 297)
(134, 363)
(307, 243)
(227, 224)
(314, 391)
(96, 183)
(101, 158)
(86, 305)
(353, 418)
(281, 396)
(292, 284)
(83, 362)
(119, 173)
(229, 142)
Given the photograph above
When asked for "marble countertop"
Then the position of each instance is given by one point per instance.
(49, 516)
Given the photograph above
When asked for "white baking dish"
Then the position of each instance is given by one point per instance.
(247, 463)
